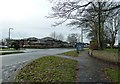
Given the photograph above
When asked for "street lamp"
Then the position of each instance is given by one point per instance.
(9, 32)
(9, 36)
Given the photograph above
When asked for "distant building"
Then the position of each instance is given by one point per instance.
(46, 42)
(86, 45)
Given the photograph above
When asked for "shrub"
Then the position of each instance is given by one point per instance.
(16, 45)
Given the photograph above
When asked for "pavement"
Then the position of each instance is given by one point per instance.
(91, 69)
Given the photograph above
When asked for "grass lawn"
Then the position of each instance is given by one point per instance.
(6, 49)
(9, 49)
(113, 74)
(112, 50)
(48, 69)
(107, 54)
(70, 53)
(5, 53)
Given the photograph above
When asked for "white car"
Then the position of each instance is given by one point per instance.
(1, 46)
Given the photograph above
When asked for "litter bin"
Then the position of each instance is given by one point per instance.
(79, 47)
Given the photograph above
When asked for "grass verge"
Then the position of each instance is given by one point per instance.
(9, 49)
(107, 55)
(5, 53)
(48, 69)
(6, 49)
(113, 74)
(70, 53)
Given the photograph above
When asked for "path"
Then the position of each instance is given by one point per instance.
(90, 69)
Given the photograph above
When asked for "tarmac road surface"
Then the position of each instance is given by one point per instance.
(10, 63)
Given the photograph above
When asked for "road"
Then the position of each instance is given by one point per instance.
(11, 62)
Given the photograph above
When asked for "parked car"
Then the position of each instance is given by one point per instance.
(1, 46)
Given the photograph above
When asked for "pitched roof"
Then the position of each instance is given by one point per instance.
(47, 38)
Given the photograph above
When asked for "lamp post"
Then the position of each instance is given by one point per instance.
(9, 32)
(81, 35)
(9, 36)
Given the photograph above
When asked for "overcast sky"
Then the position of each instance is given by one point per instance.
(27, 17)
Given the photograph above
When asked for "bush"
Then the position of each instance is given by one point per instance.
(16, 45)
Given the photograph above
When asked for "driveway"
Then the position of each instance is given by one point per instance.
(11, 62)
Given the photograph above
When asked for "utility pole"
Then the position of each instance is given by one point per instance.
(9, 36)
(81, 35)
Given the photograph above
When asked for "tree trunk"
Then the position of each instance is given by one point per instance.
(99, 23)
(102, 31)
(113, 41)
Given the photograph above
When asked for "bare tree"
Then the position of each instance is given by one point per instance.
(57, 36)
(54, 35)
(112, 27)
(60, 37)
(90, 21)
(74, 10)
(72, 38)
